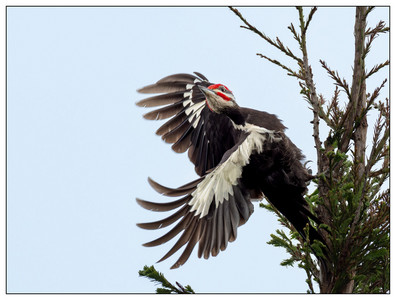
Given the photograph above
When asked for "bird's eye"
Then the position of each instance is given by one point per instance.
(222, 88)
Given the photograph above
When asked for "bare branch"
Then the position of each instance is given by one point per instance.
(334, 75)
(333, 110)
(374, 96)
(369, 10)
(375, 150)
(372, 33)
(376, 68)
(296, 36)
(290, 71)
(311, 13)
(311, 90)
(379, 28)
(278, 44)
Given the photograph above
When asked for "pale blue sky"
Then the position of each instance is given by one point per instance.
(79, 151)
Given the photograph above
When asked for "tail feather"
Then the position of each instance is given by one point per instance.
(291, 205)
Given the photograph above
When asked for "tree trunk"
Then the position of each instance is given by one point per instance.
(332, 280)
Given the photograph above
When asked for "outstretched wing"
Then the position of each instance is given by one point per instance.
(192, 125)
(214, 205)
(210, 210)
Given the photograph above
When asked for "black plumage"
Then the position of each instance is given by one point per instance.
(239, 153)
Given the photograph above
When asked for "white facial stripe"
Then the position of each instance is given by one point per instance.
(218, 184)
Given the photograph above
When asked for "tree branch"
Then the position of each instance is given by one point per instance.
(334, 75)
(376, 68)
(290, 71)
(278, 44)
(312, 95)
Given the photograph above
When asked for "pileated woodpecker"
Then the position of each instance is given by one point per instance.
(239, 153)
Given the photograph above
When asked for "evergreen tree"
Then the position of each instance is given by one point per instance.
(351, 198)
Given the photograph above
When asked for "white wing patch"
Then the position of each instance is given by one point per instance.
(217, 185)
(194, 109)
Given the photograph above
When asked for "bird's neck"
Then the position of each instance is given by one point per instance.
(236, 117)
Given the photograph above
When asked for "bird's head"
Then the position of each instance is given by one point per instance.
(219, 98)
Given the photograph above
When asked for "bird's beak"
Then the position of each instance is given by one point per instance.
(207, 92)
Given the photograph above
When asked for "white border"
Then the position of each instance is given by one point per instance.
(123, 3)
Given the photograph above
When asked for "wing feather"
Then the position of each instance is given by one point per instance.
(191, 244)
(203, 243)
(165, 112)
(173, 192)
(219, 227)
(213, 206)
(211, 228)
(161, 99)
(183, 77)
(192, 126)
(226, 225)
(183, 223)
(154, 206)
(174, 135)
(201, 76)
(171, 124)
(163, 87)
(184, 238)
(241, 204)
(165, 222)
(183, 143)
(234, 218)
